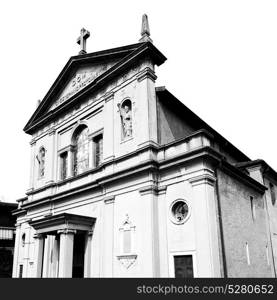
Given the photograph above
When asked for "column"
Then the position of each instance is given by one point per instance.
(38, 259)
(66, 253)
(87, 260)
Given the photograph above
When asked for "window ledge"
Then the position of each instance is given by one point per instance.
(127, 259)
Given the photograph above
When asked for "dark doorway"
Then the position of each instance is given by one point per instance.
(183, 265)
(78, 255)
(6, 262)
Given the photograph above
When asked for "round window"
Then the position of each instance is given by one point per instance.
(179, 211)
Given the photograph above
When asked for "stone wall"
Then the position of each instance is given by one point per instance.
(241, 230)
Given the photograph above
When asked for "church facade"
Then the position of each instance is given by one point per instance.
(126, 181)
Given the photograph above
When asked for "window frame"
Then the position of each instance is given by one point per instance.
(75, 134)
(92, 137)
(94, 140)
(171, 215)
(182, 253)
(61, 162)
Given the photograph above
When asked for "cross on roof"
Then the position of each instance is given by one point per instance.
(82, 40)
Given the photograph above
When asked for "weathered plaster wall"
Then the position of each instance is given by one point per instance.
(240, 228)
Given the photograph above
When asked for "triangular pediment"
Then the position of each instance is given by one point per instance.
(79, 79)
(87, 71)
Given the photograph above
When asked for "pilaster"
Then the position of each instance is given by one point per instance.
(147, 107)
(108, 250)
(205, 223)
(108, 137)
(148, 195)
(32, 164)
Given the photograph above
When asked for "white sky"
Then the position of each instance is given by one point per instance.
(222, 63)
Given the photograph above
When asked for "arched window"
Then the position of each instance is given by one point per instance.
(41, 162)
(81, 151)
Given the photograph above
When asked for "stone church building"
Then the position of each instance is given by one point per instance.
(126, 181)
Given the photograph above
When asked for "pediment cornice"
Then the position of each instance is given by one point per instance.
(127, 56)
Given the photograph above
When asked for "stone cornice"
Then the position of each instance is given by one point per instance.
(148, 165)
(149, 189)
(62, 223)
(146, 73)
(152, 189)
(203, 179)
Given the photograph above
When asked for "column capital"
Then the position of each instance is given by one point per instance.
(90, 232)
(51, 131)
(146, 73)
(38, 236)
(108, 96)
(149, 189)
(67, 231)
(109, 199)
(33, 142)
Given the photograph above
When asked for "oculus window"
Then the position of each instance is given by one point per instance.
(179, 211)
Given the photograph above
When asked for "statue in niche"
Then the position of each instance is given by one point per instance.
(41, 161)
(125, 110)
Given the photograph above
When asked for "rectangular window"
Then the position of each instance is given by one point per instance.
(20, 271)
(183, 266)
(267, 255)
(272, 193)
(247, 253)
(63, 165)
(253, 208)
(98, 149)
